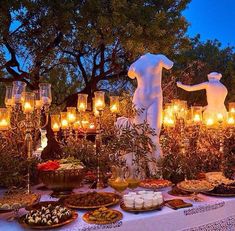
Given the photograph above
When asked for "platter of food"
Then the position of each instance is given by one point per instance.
(91, 200)
(222, 190)
(217, 178)
(48, 217)
(17, 200)
(102, 216)
(41, 204)
(142, 201)
(139, 210)
(175, 191)
(177, 204)
(155, 183)
(195, 186)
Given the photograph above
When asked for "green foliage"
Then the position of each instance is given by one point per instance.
(86, 41)
(135, 138)
(201, 153)
(13, 169)
(229, 156)
(82, 149)
(116, 142)
(194, 64)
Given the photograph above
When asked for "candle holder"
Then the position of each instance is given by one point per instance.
(82, 102)
(99, 106)
(73, 124)
(188, 130)
(114, 106)
(17, 90)
(231, 107)
(24, 116)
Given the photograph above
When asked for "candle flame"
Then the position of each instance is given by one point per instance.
(220, 117)
(55, 127)
(27, 107)
(114, 108)
(71, 117)
(3, 122)
(209, 122)
(231, 120)
(64, 123)
(197, 118)
(82, 107)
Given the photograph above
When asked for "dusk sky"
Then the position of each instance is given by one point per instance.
(212, 19)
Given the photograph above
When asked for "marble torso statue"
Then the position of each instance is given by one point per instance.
(216, 93)
(148, 95)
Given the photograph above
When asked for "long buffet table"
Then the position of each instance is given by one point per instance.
(213, 214)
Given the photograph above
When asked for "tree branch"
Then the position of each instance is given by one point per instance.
(114, 76)
(84, 74)
(102, 61)
(95, 66)
(41, 56)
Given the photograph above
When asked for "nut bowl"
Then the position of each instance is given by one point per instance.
(62, 182)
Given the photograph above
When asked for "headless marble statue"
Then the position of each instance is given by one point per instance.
(216, 93)
(148, 95)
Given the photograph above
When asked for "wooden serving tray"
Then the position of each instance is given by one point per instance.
(132, 210)
(118, 218)
(175, 207)
(21, 220)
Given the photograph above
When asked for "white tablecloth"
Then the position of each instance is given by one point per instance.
(213, 214)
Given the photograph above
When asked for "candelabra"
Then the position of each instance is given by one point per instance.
(188, 127)
(23, 114)
(75, 123)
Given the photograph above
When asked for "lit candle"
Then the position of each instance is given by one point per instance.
(99, 105)
(64, 124)
(82, 102)
(209, 122)
(231, 107)
(96, 112)
(197, 118)
(114, 108)
(3, 125)
(220, 117)
(55, 123)
(114, 104)
(85, 124)
(169, 122)
(92, 126)
(76, 125)
(176, 108)
(71, 117)
(99, 100)
(81, 107)
(8, 96)
(27, 108)
(231, 121)
(55, 127)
